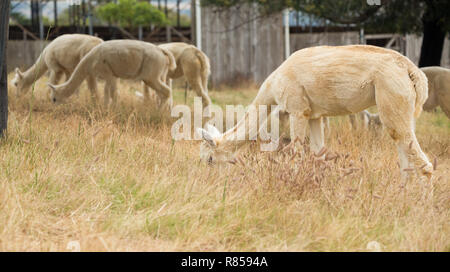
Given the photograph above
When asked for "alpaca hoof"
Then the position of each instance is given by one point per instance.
(427, 170)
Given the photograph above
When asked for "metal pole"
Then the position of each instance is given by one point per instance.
(198, 24)
(362, 37)
(55, 12)
(166, 11)
(178, 13)
(287, 45)
(4, 28)
(41, 22)
(91, 24)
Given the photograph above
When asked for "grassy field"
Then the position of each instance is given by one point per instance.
(115, 181)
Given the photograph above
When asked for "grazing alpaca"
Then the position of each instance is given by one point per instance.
(193, 64)
(337, 80)
(369, 120)
(438, 89)
(438, 95)
(127, 59)
(61, 56)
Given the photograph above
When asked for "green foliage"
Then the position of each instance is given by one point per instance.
(145, 13)
(265, 6)
(398, 16)
(109, 12)
(20, 18)
(131, 13)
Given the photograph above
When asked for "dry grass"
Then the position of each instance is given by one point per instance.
(115, 181)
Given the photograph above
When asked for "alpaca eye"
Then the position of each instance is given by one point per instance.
(54, 100)
(210, 159)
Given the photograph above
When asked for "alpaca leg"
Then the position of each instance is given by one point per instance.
(364, 116)
(113, 92)
(326, 125)
(53, 78)
(67, 75)
(445, 106)
(352, 118)
(197, 86)
(404, 163)
(146, 91)
(298, 125)
(316, 135)
(205, 84)
(397, 115)
(163, 91)
(106, 94)
(169, 83)
(92, 85)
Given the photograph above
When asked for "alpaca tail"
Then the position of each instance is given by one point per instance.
(420, 82)
(204, 60)
(171, 58)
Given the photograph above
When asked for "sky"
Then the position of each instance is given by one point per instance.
(47, 11)
(185, 7)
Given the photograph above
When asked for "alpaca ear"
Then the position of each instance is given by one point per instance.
(52, 87)
(206, 136)
(215, 133)
(139, 95)
(18, 72)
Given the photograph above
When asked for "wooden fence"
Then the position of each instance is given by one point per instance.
(240, 45)
(247, 53)
(414, 44)
(23, 54)
(304, 40)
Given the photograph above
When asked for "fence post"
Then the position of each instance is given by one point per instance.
(4, 28)
(91, 24)
(362, 37)
(41, 21)
(287, 41)
(198, 24)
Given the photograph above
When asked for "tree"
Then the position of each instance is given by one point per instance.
(436, 23)
(431, 17)
(131, 13)
(4, 26)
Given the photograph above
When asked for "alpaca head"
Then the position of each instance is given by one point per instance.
(19, 83)
(56, 95)
(373, 120)
(213, 149)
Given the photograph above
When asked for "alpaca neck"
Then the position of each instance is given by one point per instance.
(237, 135)
(81, 72)
(35, 72)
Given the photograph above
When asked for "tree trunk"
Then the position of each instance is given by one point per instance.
(4, 27)
(432, 44)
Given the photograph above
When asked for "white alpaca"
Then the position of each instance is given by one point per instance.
(438, 95)
(193, 64)
(127, 59)
(338, 80)
(60, 57)
(438, 89)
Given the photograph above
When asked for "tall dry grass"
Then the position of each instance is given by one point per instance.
(115, 181)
